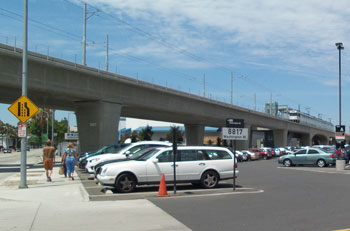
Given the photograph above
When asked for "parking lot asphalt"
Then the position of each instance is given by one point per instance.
(101, 193)
(297, 198)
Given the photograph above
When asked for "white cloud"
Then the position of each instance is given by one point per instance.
(295, 34)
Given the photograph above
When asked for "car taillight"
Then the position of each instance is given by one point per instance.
(332, 155)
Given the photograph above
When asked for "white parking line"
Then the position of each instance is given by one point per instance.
(311, 170)
(215, 194)
(182, 194)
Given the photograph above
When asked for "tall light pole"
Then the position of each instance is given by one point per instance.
(339, 47)
(231, 88)
(52, 125)
(84, 36)
(23, 182)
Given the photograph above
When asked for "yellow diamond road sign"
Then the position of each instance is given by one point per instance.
(23, 109)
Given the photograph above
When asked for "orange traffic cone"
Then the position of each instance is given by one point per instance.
(162, 192)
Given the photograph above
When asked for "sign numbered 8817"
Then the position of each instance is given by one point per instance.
(235, 133)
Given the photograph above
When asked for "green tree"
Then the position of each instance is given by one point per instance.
(60, 128)
(7, 131)
(218, 141)
(146, 133)
(35, 129)
(134, 136)
(37, 124)
(179, 134)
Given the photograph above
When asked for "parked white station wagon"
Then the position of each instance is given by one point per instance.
(195, 164)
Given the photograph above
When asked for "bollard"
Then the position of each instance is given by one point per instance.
(340, 165)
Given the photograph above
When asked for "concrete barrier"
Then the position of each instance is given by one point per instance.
(340, 165)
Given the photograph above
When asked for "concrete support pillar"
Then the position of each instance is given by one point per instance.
(306, 140)
(245, 144)
(194, 134)
(280, 137)
(97, 124)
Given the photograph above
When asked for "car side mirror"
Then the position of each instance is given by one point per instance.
(127, 152)
(155, 160)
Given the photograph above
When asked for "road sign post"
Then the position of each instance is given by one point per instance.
(24, 109)
(340, 135)
(234, 130)
(22, 130)
(175, 155)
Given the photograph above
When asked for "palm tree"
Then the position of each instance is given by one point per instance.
(42, 117)
(2, 132)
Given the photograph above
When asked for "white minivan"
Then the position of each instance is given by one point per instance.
(202, 165)
(127, 151)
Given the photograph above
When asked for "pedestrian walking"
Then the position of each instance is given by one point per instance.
(48, 159)
(70, 160)
(63, 161)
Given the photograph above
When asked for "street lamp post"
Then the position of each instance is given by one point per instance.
(339, 47)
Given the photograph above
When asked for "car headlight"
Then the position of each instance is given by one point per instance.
(94, 159)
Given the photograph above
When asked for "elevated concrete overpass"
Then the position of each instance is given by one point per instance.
(99, 98)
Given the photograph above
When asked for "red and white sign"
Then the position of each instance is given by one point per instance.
(340, 136)
(22, 130)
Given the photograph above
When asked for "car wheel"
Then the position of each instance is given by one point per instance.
(287, 163)
(321, 163)
(209, 179)
(125, 183)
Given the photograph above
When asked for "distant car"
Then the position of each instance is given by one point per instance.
(277, 152)
(252, 155)
(308, 156)
(282, 151)
(28, 149)
(239, 155)
(266, 153)
(7, 150)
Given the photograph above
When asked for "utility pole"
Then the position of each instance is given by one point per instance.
(204, 85)
(254, 101)
(23, 182)
(85, 18)
(107, 52)
(84, 36)
(231, 88)
(52, 125)
(308, 110)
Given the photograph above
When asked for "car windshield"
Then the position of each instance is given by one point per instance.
(101, 149)
(148, 155)
(140, 154)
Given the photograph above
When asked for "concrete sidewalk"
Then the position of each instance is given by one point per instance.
(63, 205)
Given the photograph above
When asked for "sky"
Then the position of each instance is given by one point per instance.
(279, 50)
